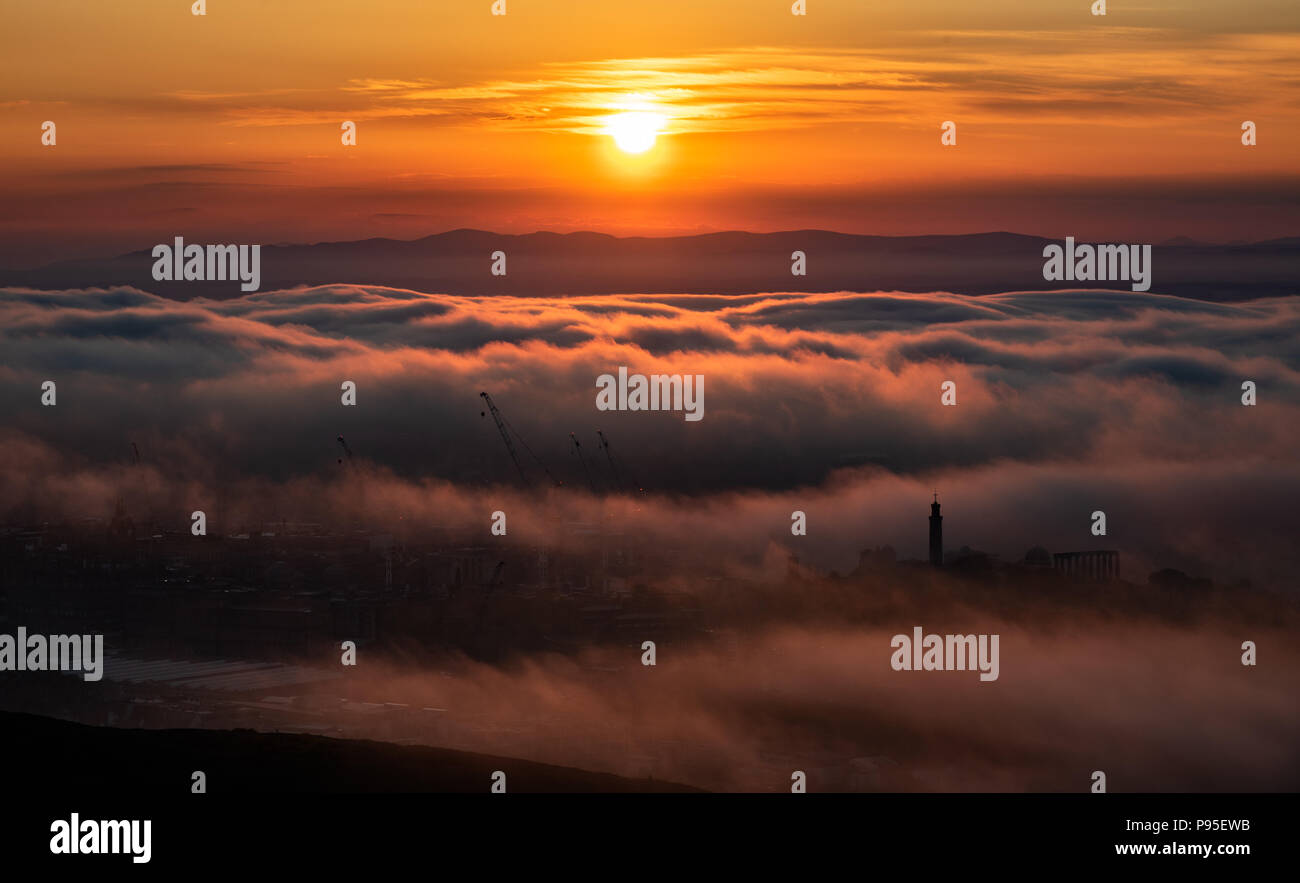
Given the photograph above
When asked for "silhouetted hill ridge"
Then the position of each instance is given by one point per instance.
(728, 262)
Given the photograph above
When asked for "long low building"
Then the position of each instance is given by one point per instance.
(1097, 565)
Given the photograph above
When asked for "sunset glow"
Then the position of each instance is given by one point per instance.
(635, 132)
(775, 122)
(817, 397)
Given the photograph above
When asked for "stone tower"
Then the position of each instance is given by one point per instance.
(936, 534)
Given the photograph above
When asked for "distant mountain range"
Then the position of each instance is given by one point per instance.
(459, 261)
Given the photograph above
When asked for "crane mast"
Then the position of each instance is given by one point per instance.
(507, 431)
(505, 435)
(604, 444)
(577, 449)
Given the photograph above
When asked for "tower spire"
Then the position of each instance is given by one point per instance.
(936, 533)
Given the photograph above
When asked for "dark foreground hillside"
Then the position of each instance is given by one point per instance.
(43, 755)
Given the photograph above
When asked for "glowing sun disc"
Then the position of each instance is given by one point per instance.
(634, 132)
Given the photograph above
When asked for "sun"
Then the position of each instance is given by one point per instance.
(636, 131)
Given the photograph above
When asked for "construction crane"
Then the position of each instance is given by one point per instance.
(121, 523)
(604, 443)
(357, 485)
(577, 449)
(609, 455)
(506, 430)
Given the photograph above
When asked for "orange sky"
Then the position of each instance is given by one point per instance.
(229, 123)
